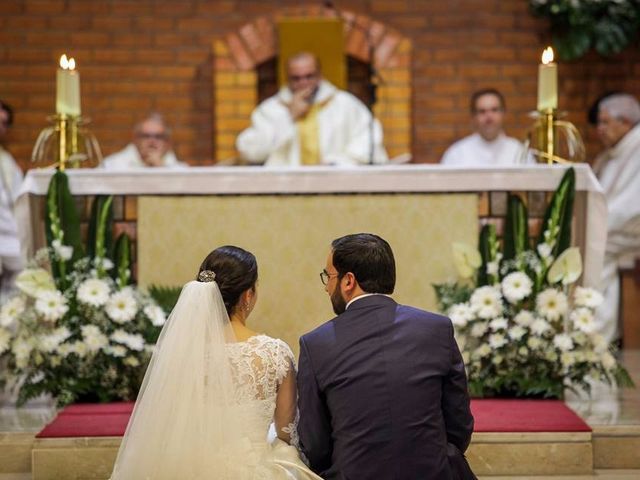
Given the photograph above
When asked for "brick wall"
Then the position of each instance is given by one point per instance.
(138, 55)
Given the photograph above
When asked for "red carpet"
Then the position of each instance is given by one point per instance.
(491, 415)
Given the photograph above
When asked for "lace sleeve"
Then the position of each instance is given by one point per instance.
(285, 415)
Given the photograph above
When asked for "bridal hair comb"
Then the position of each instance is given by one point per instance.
(207, 276)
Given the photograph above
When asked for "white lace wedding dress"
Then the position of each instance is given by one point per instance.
(207, 402)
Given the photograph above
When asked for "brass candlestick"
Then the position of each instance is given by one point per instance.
(67, 143)
(552, 140)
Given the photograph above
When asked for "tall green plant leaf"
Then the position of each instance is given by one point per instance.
(485, 244)
(62, 221)
(122, 259)
(166, 297)
(100, 238)
(516, 232)
(559, 214)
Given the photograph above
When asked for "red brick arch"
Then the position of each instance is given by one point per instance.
(237, 55)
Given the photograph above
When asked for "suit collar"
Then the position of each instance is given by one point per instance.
(369, 301)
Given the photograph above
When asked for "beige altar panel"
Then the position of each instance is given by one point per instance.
(291, 235)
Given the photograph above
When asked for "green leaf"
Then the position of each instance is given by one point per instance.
(165, 297)
(61, 214)
(486, 241)
(610, 38)
(516, 232)
(100, 238)
(572, 44)
(559, 213)
(122, 259)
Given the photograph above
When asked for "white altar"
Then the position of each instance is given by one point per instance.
(288, 218)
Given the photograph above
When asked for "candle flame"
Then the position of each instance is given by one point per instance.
(64, 62)
(547, 56)
(72, 63)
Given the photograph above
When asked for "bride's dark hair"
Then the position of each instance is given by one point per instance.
(236, 271)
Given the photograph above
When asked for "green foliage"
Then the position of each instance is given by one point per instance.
(122, 257)
(608, 26)
(166, 297)
(100, 237)
(62, 225)
(516, 228)
(556, 226)
(488, 247)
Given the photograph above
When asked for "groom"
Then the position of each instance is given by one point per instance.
(382, 387)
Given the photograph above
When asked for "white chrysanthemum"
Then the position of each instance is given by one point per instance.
(587, 297)
(51, 305)
(516, 286)
(94, 292)
(497, 340)
(80, 348)
(524, 318)
(34, 281)
(499, 323)
(534, 343)
(517, 332)
(10, 311)
(93, 337)
(540, 326)
(608, 361)
(157, 317)
(599, 343)
(523, 351)
(551, 355)
(5, 340)
(497, 359)
(65, 252)
(65, 349)
(482, 351)
(479, 329)
(551, 303)
(50, 343)
(568, 359)
(131, 361)
(134, 341)
(583, 320)
(115, 350)
(21, 350)
(563, 342)
(486, 302)
(122, 306)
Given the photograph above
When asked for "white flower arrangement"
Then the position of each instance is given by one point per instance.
(523, 325)
(87, 341)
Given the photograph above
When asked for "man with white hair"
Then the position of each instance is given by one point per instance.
(151, 147)
(618, 169)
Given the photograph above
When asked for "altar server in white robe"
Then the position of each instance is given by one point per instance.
(311, 122)
(151, 147)
(489, 145)
(618, 169)
(11, 262)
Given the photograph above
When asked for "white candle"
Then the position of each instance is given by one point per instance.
(67, 88)
(547, 82)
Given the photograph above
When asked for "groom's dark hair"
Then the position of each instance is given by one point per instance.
(369, 258)
(236, 271)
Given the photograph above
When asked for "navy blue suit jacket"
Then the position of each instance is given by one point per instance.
(383, 394)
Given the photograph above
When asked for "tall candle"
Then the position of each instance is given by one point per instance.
(67, 88)
(547, 82)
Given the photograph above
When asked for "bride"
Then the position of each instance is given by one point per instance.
(213, 387)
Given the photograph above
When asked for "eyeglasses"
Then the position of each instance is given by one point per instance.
(152, 136)
(299, 78)
(325, 276)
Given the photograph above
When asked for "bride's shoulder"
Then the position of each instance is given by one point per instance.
(276, 344)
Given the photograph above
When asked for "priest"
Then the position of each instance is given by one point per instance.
(311, 122)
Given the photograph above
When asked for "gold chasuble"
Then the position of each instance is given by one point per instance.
(309, 136)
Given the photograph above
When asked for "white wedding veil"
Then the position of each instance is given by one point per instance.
(184, 418)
